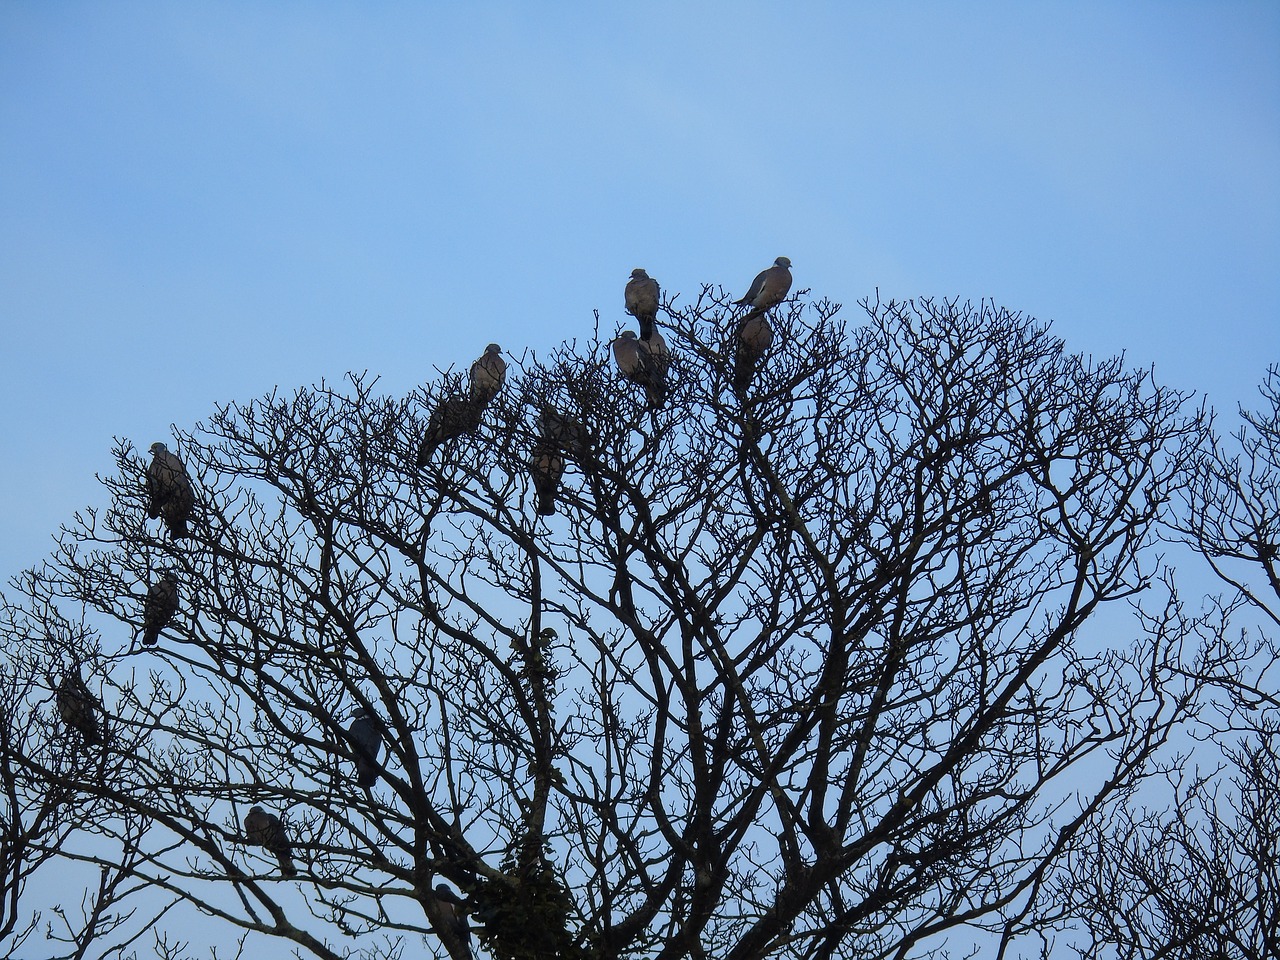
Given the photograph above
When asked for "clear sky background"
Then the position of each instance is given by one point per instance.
(199, 201)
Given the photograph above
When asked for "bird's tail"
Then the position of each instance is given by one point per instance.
(284, 855)
(366, 772)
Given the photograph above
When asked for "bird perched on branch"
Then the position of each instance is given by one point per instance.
(566, 434)
(645, 363)
(642, 295)
(453, 913)
(659, 363)
(754, 337)
(80, 709)
(547, 467)
(770, 286)
(367, 733)
(452, 417)
(265, 830)
(159, 608)
(169, 490)
(488, 374)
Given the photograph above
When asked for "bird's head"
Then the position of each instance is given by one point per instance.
(639, 274)
(493, 348)
(158, 448)
(782, 262)
(628, 334)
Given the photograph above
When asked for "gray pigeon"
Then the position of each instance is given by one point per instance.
(547, 467)
(754, 337)
(453, 912)
(564, 433)
(642, 301)
(159, 607)
(265, 830)
(645, 363)
(659, 364)
(367, 733)
(487, 376)
(451, 418)
(79, 708)
(770, 287)
(169, 491)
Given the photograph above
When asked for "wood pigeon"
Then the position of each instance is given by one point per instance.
(642, 301)
(169, 491)
(754, 337)
(487, 376)
(547, 467)
(453, 913)
(451, 418)
(770, 287)
(366, 733)
(566, 434)
(79, 708)
(265, 830)
(159, 608)
(645, 363)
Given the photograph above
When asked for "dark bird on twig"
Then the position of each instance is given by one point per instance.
(169, 491)
(79, 708)
(265, 830)
(453, 912)
(367, 733)
(488, 374)
(770, 286)
(564, 433)
(645, 363)
(642, 295)
(546, 465)
(159, 608)
(659, 363)
(452, 417)
(754, 337)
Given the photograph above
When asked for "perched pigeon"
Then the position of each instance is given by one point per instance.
(659, 364)
(169, 489)
(770, 287)
(566, 434)
(642, 301)
(754, 337)
(265, 830)
(451, 418)
(644, 363)
(366, 733)
(79, 708)
(547, 467)
(453, 912)
(487, 376)
(159, 607)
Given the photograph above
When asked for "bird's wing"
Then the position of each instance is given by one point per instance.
(756, 285)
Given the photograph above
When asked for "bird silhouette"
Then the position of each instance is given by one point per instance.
(169, 491)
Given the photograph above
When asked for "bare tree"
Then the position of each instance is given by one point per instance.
(798, 670)
(1197, 876)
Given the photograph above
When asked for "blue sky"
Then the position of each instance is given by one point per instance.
(199, 202)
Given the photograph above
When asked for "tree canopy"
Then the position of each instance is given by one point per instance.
(801, 665)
